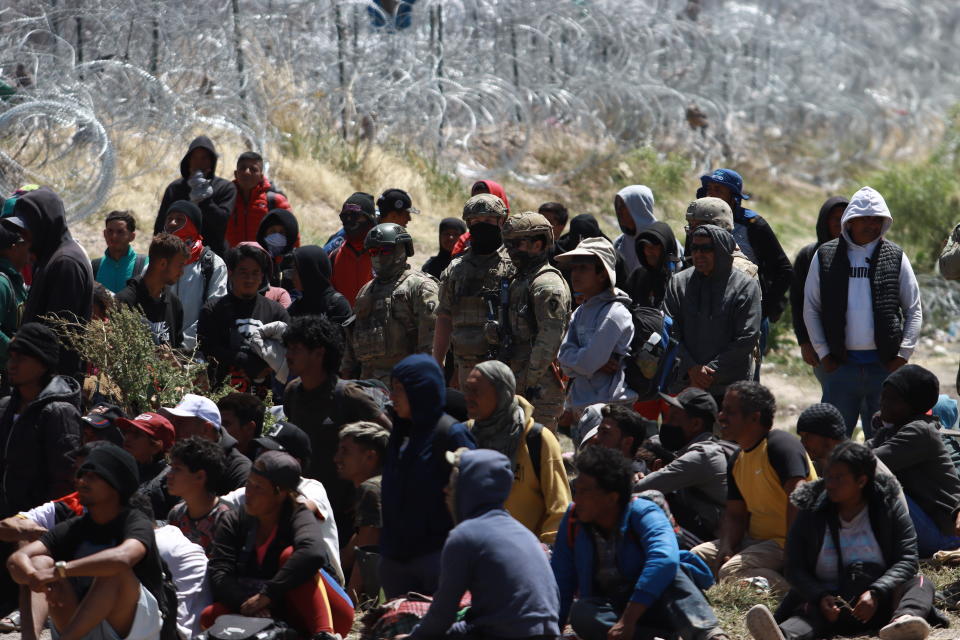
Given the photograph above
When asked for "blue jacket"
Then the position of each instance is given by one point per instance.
(495, 558)
(415, 517)
(647, 553)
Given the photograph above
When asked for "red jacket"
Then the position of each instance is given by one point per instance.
(243, 224)
(351, 269)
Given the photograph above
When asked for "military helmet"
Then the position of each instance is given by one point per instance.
(528, 225)
(484, 204)
(389, 234)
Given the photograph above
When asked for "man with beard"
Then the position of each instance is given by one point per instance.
(539, 306)
(473, 288)
(395, 313)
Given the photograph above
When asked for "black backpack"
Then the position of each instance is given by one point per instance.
(234, 627)
(651, 365)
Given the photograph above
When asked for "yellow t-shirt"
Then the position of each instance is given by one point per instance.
(757, 478)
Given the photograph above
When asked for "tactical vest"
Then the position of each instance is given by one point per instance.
(472, 284)
(380, 333)
(884, 275)
(523, 320)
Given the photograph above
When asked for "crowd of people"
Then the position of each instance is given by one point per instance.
(374, 430)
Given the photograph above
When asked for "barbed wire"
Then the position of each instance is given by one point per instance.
(477, 84)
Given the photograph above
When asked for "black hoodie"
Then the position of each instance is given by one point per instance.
(216, 209)
(62, 277)
(646, 286)
(319, 296)
(35, 466)
(801, 265)
(291, 230)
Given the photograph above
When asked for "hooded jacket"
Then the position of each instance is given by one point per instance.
(291, 228)
(62, 276)
(916, 455)
(436, 264)
(495, 558)
(639, 201)
(415, 517)
(216, 209)
(12, 296)
(195, 289)
(600, 328)
(647, 554)
(319, 297)
(36, 465)
(876, 308)
(716, 318)
(244, 223)
(801, 266)
(647, 285)
(889, 520)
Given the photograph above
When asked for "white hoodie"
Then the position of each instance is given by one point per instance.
(860, 326)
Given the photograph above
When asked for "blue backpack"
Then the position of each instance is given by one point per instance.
(651, 366)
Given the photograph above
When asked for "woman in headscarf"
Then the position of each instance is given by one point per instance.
(503, 421)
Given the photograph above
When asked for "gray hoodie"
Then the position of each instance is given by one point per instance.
(716, 318)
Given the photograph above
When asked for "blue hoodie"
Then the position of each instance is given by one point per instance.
(495, 558)
(415, 517)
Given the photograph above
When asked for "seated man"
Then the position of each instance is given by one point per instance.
(492, 556)
(148, 438)
(242, 416)
(268, 557)
(359, 459)
(909, 444)
(621, 557)
(760, 479)
(196, 472)
(695, 482)
(100, 572)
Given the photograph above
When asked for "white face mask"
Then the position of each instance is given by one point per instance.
(277, 242)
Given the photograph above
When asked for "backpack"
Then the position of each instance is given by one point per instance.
(651, 365)
(138, 264)
(234, 627)
(373, 388)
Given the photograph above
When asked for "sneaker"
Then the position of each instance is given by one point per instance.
(906, 628)
(761, 625)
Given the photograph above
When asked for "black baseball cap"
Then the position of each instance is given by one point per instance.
(395, 200)
(359, 202)
(280, 468)
(286, 436)
(102, 420)
(694, 401)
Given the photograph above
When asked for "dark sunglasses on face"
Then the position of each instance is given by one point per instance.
(704, 248)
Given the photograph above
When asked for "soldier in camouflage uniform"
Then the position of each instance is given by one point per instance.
(395, 313)
(538, 313)
(473, 288)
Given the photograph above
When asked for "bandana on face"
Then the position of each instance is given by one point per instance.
(189, 234)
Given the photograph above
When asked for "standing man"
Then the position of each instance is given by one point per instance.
(256, 197)
(395, 313)
(861, 308)
(62, 277)
(395, 207)
(716, 315)
(473, 288)
(350, 261)
(200, 185)
(756, 239)
(539, 307)
(119, 262)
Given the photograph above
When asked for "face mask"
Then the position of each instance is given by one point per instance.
(386, 266)
(521, 259)
(671, 437)
(485, 238)
(276, 243)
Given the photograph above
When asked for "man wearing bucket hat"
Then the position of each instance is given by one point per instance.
(600, 330)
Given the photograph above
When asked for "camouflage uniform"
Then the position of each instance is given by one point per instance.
(395, 313)
(539, 311)
(466, 285)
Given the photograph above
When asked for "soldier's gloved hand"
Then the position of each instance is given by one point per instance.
(532, 393)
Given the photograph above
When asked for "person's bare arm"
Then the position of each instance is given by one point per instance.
(20, 564)
(108, 562)
(732, 528)
(19, 529)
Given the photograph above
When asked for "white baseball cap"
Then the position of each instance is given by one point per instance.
(194, 406)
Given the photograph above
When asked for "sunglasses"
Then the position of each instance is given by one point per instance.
(703, 248)
(381, 251)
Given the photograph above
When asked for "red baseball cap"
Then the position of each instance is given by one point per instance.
(152, 424)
